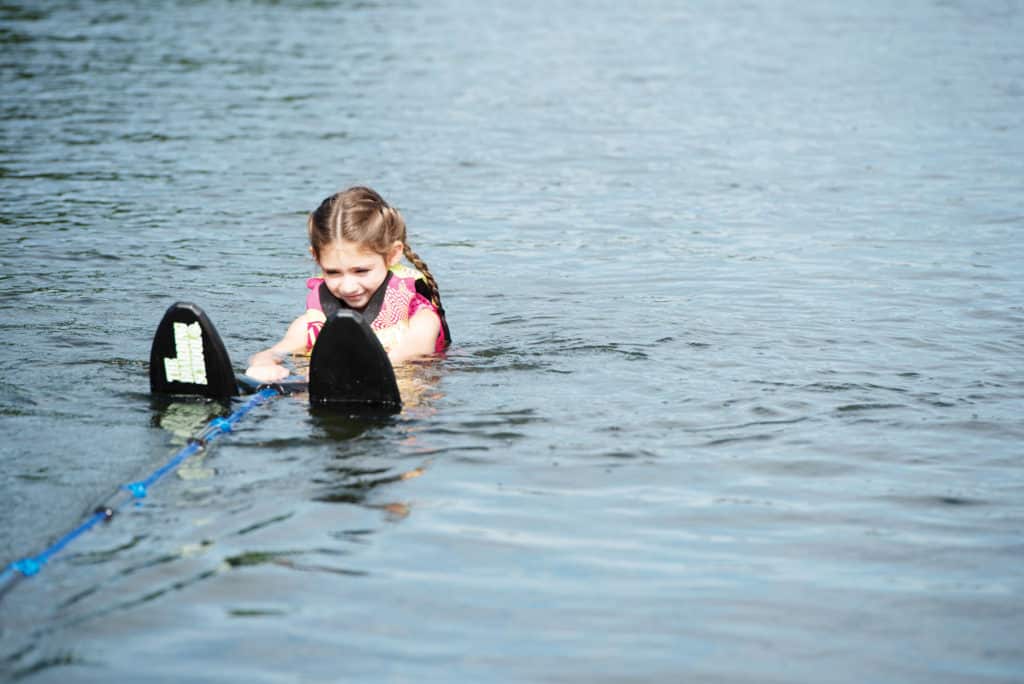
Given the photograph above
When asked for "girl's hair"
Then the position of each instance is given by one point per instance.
(362, 216)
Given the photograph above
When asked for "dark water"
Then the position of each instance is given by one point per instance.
(736, 290)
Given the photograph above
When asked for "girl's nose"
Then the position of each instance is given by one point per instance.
(349, 285)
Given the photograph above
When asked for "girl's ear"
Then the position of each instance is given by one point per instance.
(395, 253)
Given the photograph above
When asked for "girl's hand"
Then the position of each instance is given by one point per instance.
(268, 372)
(266, 367)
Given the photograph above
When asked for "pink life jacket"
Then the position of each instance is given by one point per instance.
(403, 293)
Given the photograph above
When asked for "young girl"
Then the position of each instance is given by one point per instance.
(357, 239)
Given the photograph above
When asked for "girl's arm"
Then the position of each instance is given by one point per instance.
(420, 339)
(266, 366)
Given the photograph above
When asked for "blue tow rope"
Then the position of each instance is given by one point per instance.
(31, 565)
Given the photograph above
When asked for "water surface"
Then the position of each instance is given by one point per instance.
(736, 389)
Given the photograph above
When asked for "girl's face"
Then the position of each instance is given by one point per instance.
(353, 273)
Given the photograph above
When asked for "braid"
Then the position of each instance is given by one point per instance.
(421, 266)
(394, 226)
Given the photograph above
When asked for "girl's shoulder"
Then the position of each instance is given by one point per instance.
(313, 293)
(404, 271)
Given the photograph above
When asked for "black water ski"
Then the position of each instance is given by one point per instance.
(350, 370)
(188, 356)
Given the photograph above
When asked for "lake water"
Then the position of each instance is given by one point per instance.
(737, 294)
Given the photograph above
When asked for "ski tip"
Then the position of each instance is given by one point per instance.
(188, 357)
(349, 370)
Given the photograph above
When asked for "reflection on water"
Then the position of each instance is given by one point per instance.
(419, 383)
(185, 417)
(349, 477)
